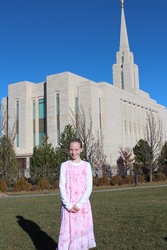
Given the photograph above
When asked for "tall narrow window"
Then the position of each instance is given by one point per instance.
(134, 80)
(34, 141)
(122, 74)
(122, 59)
(17, 123)
(42, 119)
(58, 117)
(122, 79)
(76, 105)
(76, 113)
(100, 123)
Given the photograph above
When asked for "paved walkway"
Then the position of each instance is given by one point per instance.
(95, 191)
(129, 188)
(3, 195)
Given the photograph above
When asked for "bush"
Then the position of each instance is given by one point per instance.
(160, 176)
(141, 178)
(154, 178)
(22, 185)
(56, 184)
(95, 181)
(129, 179)
(3, 186)
(103, 181)
(116, 180)
(43, 184)
(34, 188)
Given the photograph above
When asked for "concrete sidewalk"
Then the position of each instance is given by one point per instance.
(3, 195)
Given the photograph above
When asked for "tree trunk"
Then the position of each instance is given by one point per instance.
(150, 174)
(44, 172)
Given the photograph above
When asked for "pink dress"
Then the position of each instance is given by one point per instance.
(76, 231)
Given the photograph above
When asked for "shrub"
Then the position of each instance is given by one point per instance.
(34, 188)
(141, 178)
(56, 184)
(116, 180)
(3, 186)
(160, 176)
(43, 184)
(154, 178)
(103, 181)
(22, 185)
(95, 181)
(129, 179)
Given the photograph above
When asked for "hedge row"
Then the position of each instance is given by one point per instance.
(117, 180)
(24, 185)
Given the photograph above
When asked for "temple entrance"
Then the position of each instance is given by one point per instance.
(22, 167)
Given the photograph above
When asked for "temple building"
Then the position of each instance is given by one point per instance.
(118, 110)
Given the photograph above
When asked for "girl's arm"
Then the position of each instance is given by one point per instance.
(62, 183)
(88, 190)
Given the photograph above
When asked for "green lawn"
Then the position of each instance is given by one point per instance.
(131, 219)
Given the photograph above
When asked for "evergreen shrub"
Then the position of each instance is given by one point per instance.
(22, 185)
(129, 179)
(116, 180)
(3, 186)
(43, 184)
(141, 178)
(103, 181)
(160, 176)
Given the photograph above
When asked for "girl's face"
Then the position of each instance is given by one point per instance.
(75, 150)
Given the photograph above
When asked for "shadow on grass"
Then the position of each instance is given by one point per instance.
(165, 238)
(41, 240)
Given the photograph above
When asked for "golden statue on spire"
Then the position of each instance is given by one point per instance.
(122, 3)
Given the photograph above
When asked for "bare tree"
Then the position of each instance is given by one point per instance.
(92, 146)
(98, 159)
(84, 130)
(3, 121)
(153, 135)
(4, 129)
(125, 161)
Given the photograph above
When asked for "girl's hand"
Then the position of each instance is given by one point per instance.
(74, 209)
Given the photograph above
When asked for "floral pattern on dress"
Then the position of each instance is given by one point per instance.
(76, 230)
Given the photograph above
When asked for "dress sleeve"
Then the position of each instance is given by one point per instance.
(62, 183)
(88, 190)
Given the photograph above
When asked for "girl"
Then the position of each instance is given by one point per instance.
(75, 183)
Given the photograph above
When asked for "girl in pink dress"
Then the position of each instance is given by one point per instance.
(75, 183)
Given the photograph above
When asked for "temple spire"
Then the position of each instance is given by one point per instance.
(125, 72)
(124, 43)
(122, 3)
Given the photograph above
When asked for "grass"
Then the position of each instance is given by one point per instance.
(123, 220)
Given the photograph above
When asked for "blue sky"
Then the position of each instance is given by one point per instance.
(44, 37)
